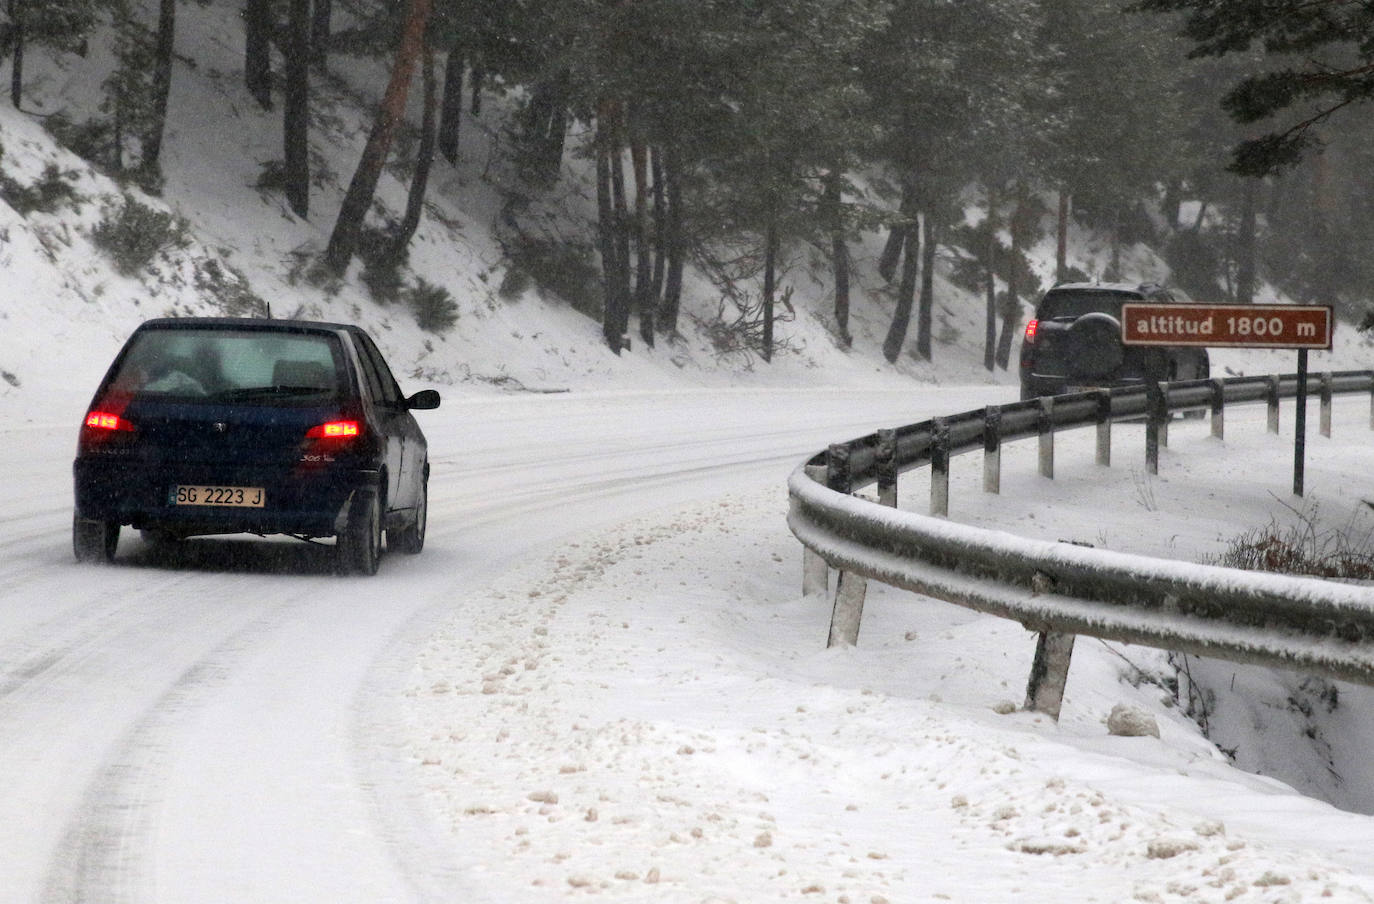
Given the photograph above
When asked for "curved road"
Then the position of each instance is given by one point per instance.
(221, 724)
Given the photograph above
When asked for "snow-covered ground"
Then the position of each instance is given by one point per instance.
(600, 680)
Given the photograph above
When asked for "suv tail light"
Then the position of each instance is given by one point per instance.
(1032, 327)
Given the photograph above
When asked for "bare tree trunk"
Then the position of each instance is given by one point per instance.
(424, 162)
(150, 163)
(479, 75)
(1245, 244)
(451, 109)
(839, 253)
(320, 29)
(770, 262)
(925, 311)
(606, 236)
(1061, 250)
(892, 252)
(257, 51)
(556, 137)
(990, 323)
(1010, 310)
(674, 241)
(1172, 206)
(546, 121)
(1021, 231)
(644, 300)
(615, 252)
(344, 239)
(906, 293)
(660, 240)
(17, 67)
(892, 249)
(1114, 239)
(296, 108)
(621, 231)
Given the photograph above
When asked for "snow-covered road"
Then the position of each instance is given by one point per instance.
(226, 724)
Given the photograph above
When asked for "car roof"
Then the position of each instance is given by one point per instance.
(1134, 288)
(255, 323)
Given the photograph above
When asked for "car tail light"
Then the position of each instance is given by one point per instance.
(339, 430)
(1032, 327)
(104, 431)
(98, 421)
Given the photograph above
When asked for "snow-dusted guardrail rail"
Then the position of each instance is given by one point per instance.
(1061, 590)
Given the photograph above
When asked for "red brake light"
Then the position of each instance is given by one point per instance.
(335, 430)
(1032, 327)
(104, 420)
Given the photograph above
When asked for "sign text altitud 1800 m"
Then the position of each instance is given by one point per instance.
(1234, 325)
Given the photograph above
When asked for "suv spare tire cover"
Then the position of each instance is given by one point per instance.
(1094, 345)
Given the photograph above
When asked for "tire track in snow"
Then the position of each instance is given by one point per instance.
(104, 852)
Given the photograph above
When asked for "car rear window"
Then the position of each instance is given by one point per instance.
(1058, 305)
(230, 365)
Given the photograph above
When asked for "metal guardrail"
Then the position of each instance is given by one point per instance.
(1058, 589)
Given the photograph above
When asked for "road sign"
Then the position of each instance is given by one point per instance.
(1227, 325)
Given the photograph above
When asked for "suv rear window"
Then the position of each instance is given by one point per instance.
(230, 365)
(1071, 305)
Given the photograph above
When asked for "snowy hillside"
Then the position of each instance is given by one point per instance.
(242, 233)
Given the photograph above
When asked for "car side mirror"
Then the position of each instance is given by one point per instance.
(423, 400)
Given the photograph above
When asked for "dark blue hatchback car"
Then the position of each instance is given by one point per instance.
(231, 425)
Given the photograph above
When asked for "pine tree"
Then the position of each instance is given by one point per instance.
(61, 25)
(1324, 59)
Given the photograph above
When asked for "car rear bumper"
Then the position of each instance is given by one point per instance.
(297, 502)
(1036, 385)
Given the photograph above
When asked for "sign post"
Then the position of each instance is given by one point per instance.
(1301, 327)
(1300, 425)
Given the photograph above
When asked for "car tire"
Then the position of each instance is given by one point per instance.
(94, 541)
(411, 538)
(359, 547)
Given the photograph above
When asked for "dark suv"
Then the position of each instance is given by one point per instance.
(1074, 342)
(229, 425)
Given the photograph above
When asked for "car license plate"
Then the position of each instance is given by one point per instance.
(234, 497)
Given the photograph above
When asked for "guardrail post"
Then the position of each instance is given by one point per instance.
(992, 449)
(1326, 403)
(1104, 429)
(1049, 673)
(1165, 416)
(849, 610)
(887, 467)
(939, 467)
(1045, 424)
(850, 589)
(1219, 408)
(1156, 417)
(815, 570)
(1273, 397)
(837, 475)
